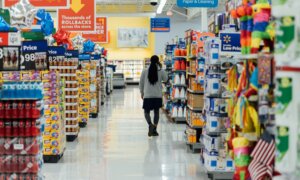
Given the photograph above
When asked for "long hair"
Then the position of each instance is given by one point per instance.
(153, 74)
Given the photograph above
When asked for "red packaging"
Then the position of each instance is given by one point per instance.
(27, 163)
(7, 164)
(28, 109)
(21, 110)
(7, 106)
(21, 128)
(15, 128)
(1, 165)
(14, 164)
(28, 145)
(2, 176)
(22, 165)
(35, 112)
(27, 177)
(2, 149)
(35, 166)
(7, 146)
(14, 110)
(34, 146)
(8, 128)
(2, 128)
(34, 129)
(2, 110)
(27, 128)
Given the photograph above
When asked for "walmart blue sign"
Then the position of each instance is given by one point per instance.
(230, 42)
(198, 3)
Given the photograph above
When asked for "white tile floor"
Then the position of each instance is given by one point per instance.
(116, 147)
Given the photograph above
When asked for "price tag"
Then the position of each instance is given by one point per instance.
(34, 55)
(72, 56)
(18, 146)
(56, 54)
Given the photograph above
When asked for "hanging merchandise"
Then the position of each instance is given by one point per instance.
(22, 122)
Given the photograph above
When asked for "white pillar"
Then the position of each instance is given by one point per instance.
(204, 20)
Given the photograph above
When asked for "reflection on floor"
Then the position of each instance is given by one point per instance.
(116, 147)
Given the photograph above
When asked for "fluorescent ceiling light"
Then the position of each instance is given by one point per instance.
(161, 6)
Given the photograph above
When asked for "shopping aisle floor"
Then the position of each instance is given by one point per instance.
(116, 147)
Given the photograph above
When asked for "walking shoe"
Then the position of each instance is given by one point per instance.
(155, 133)
(151, 130)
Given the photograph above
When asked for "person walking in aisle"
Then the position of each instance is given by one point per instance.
(151, 92)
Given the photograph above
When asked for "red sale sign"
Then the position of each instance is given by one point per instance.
(40, 3)
(80, 17)
(101, 33)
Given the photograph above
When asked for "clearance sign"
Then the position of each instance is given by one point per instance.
(101, 34)
(40, 3)
(80, 17)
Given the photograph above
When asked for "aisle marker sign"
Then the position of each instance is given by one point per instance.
(198, 3)
(230, 42)
(101, 33)
(40, 3)
(80, 17)
(160, 24)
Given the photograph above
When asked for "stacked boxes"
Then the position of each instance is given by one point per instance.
(54, 136)
(84, 95)
(93, 88)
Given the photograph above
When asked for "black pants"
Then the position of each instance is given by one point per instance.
(148, 117)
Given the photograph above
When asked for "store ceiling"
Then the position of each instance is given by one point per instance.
(131, 6)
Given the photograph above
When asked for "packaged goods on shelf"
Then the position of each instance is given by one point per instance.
(84, 94)
(67, 66)
(21, 119)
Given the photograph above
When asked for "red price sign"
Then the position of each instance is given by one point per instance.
(101, 34)
(40, 3)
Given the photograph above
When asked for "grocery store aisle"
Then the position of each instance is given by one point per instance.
(115, 146)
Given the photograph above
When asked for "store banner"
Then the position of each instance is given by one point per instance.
(80, 17)
(34, 55)
(101, 33)
(230, 42)
(160, 25)
(40, 3)
(56, 54)
(198, 3)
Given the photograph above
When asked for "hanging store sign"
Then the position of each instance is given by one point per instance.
(160, 25)
(101, 33)
(40, 3)
(34, 55)
(230, 42)
(198, 3)
(80, 17)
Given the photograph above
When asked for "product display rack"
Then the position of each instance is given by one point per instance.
(84, 94)
(54, 137)
(67, 68)
(103, 64)
(21, 116)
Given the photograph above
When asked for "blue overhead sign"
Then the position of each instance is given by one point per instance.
(160, 24)
(198, 3)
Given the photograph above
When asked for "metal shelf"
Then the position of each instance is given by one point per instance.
(194, 109)
(179, 119)
(195, 92)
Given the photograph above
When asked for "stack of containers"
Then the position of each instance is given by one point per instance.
(94, 101)
(84, 94)
(54, 136)
(21, 126)
(179, 85)
(67, 67)
(214, 135)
